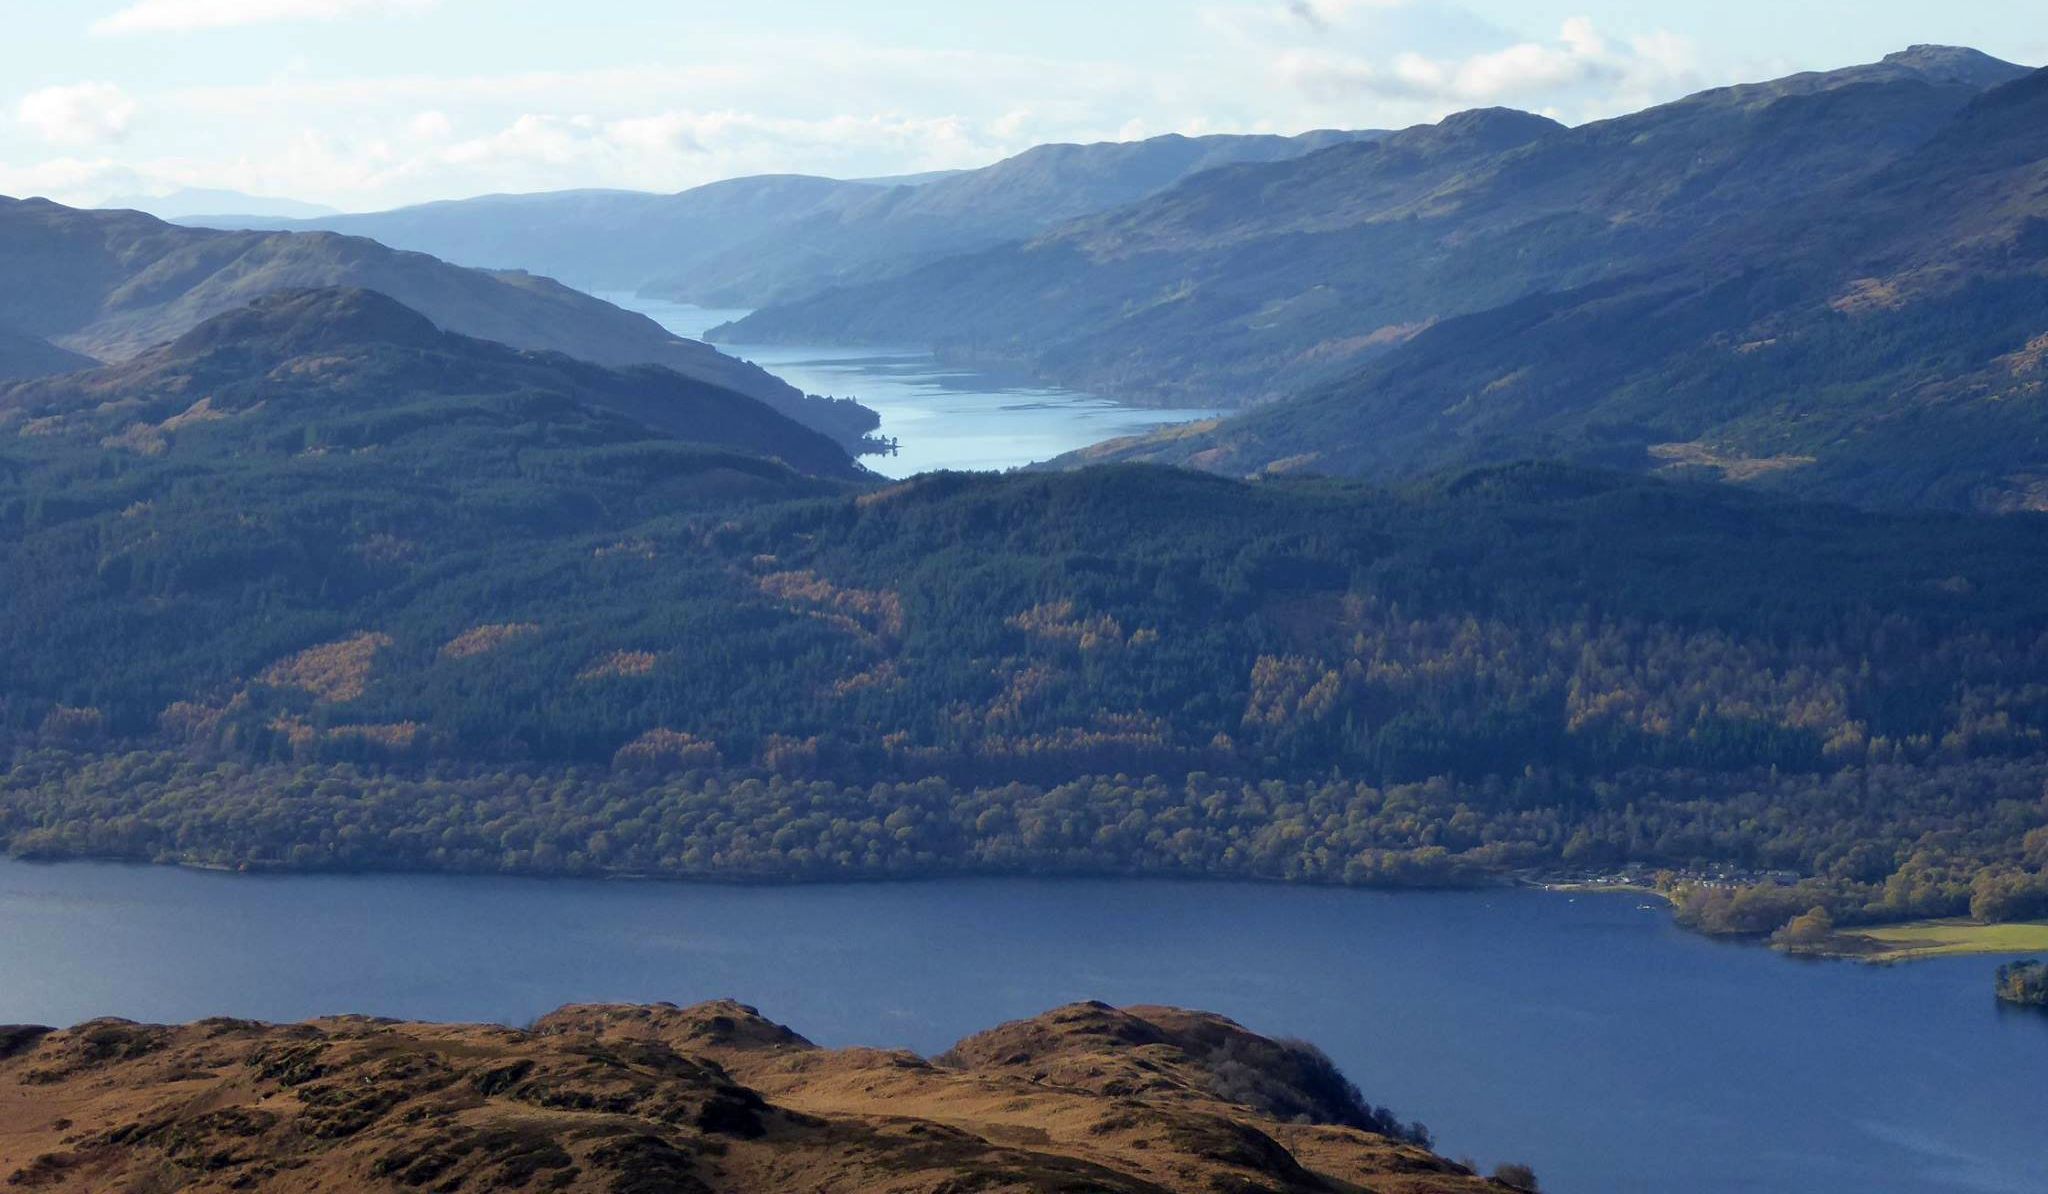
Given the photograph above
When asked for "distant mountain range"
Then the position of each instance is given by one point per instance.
(213, 202)
(112, 285)
(750, 241)
(1760, 282)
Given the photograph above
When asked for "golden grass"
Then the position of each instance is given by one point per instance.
(202, 411)
(1084, 1097)
(334, 672)
(2027, 360)
(1732, 466)
(139, 438)
(621, 665)
(1868, 296)
(482, 640)
(1056, 621)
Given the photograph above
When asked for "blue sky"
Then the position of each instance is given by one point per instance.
(369, 103)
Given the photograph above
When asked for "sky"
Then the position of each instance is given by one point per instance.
(368, 104)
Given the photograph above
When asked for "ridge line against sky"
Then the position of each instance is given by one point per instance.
(364, 104)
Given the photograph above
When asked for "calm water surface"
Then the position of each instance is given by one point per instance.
(944, 418)
(1586, 1035)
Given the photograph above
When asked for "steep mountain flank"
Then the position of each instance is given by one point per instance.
(1262, 282)
(1882, 343)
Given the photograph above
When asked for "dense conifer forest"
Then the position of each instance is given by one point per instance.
(396, 603)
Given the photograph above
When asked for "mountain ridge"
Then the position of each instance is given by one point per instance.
(112, 285)
(744, 241)
(336, 348)
(1313, 276)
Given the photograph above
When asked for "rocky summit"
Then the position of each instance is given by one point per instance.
(634, 1100)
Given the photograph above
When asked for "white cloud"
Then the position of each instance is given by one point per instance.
(378, 164)
(184, 16)
(1321, 14)
(431, 126)
(673, 149)
(1581, 72)
(814, 101)
(71, 180)
(78, 114)
(795, 104)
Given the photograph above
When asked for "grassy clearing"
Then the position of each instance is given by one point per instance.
(1940, 939)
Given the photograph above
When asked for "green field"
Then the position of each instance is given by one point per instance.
(1943, 939)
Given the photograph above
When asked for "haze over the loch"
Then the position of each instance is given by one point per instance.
(414, 100)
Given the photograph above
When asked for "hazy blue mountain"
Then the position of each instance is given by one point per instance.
(911, 180)
(1882, 341)
(602, 240)
(884, 234)
(748, 241)
(1259, 281)
(111, 285)
(191, 202)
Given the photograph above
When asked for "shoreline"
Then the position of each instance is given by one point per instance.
(1872, 945)
(1875, 945)
(1926, 940)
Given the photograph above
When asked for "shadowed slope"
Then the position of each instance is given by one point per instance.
(296, 354)
(112, 285)
(26, 356)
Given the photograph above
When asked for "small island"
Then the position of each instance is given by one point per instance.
(2024, 983)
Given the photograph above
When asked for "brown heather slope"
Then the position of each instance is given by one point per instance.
(640, 1100)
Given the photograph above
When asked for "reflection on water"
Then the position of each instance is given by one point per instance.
(942, 418)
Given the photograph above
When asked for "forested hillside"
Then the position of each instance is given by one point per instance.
(110, 285)
(326, 587)
(1888, 350)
